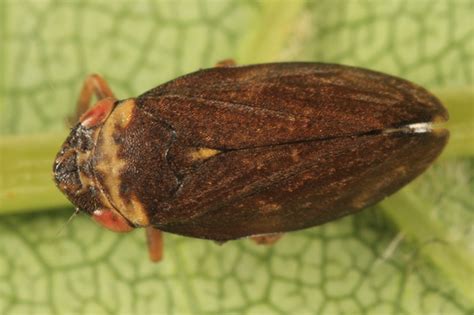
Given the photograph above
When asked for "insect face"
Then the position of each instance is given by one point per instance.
(73, 169)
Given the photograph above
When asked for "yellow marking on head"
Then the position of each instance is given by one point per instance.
(112, 166)
(123, 113)
(203, 153)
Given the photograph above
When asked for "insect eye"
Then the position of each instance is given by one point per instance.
(97, 114)
(111, 220)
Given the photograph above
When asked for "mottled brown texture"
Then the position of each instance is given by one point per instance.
(301, 143)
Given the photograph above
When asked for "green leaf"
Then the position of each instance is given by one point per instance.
(412, 254)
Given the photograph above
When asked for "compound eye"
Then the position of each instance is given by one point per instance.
(98, 114)
(112, 220)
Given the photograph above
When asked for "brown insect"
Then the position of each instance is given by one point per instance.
(250, 151)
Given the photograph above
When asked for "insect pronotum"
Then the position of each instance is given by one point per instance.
(247, 151)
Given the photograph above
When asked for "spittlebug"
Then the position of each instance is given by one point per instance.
(247, 151)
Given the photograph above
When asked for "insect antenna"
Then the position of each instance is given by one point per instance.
(61, 230)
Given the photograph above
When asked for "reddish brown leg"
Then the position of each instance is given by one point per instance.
(154, 238)
(266, 239)
(226, 63)
(94, 84)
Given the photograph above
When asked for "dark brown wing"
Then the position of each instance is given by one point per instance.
(290, 187)
(300, 144)
(283, 102)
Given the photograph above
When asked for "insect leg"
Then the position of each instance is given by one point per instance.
(226, 63)
(269, 239)
(94, 84)
(155, 243)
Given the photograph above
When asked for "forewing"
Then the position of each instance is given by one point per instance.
(257, 105)
(289, 187)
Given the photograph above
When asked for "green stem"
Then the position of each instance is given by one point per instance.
(26, 182)
(411, 214)
(460, 105)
